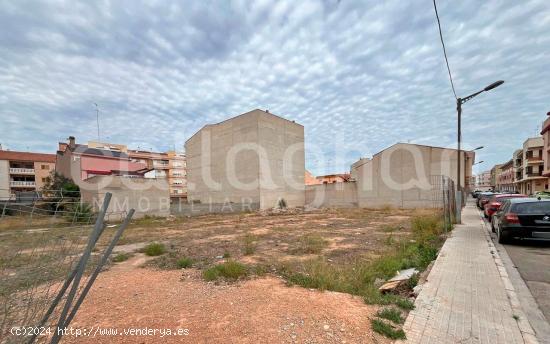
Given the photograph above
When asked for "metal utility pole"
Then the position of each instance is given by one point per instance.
(459, 102)
(97, 118)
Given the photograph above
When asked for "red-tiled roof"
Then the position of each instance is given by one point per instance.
(26, 156)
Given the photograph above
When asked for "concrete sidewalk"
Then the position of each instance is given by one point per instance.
(467, 296)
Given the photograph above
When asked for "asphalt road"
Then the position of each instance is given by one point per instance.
(532, 259)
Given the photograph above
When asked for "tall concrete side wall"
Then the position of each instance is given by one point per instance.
(252, 158)
(282, 168)
(68, 167)
(222, 164)
(146, 196)
(334, 195)
(401, 176)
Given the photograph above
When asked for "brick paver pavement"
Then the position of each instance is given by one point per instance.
(464, 300)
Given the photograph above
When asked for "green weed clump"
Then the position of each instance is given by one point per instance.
(184, 263)
(391, 314)
(121, 257)
(387, 330)
(357, 277)
(249, 244)
(310, 244)
(154, 249)
(230, 270)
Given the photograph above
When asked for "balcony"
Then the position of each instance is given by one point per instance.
(534, 160)
(160, 165)
(20, 170)
(533, 174)
(22, 184)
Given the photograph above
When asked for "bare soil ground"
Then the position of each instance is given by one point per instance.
(262, 310)
(152, 292)
(276, 238)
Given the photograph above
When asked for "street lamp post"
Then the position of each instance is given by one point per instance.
(459, 102)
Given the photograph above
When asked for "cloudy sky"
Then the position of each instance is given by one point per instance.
(359, 75)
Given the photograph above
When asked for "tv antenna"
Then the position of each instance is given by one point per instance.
(97, 118)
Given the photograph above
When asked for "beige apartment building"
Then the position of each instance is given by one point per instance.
(529, 166)
(517, 166)
(170, 165)
(23, 171)
(256, 157)
(505, 179)
(483, 181)
(495, 172)
(406, 175)
(546, 146)
(177, 174)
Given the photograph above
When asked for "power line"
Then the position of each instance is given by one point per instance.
(444, 50)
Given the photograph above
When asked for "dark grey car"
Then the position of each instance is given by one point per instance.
(526, 218)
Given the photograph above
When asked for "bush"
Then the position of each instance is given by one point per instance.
(79, 212)
(184, 263)
(121, 257)
(154, 249)
(230, 270)
(413, 281)
(281, 203)
(249, 245)
(61, 192)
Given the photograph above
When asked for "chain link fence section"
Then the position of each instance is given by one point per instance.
(443, 194)
(49, 259)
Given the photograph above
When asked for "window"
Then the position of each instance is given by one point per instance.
(45, 167)
(532, 208)
(43, 180)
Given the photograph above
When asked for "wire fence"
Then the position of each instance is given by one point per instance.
(52, 247)
(444, 197)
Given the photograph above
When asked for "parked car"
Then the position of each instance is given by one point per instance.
(494, 203)
(527, 218)
(542, 194)
(475, 193)
(483, 198)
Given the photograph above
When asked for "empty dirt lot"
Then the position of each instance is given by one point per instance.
(297, 277)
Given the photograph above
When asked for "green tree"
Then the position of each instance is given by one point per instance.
(57, 183)
(59, 192)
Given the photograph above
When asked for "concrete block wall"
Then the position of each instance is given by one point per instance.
(333, 195)
(282, 169)
(147, 196)
(195, 209)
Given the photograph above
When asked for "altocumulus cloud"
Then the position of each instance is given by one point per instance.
(359, 75)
